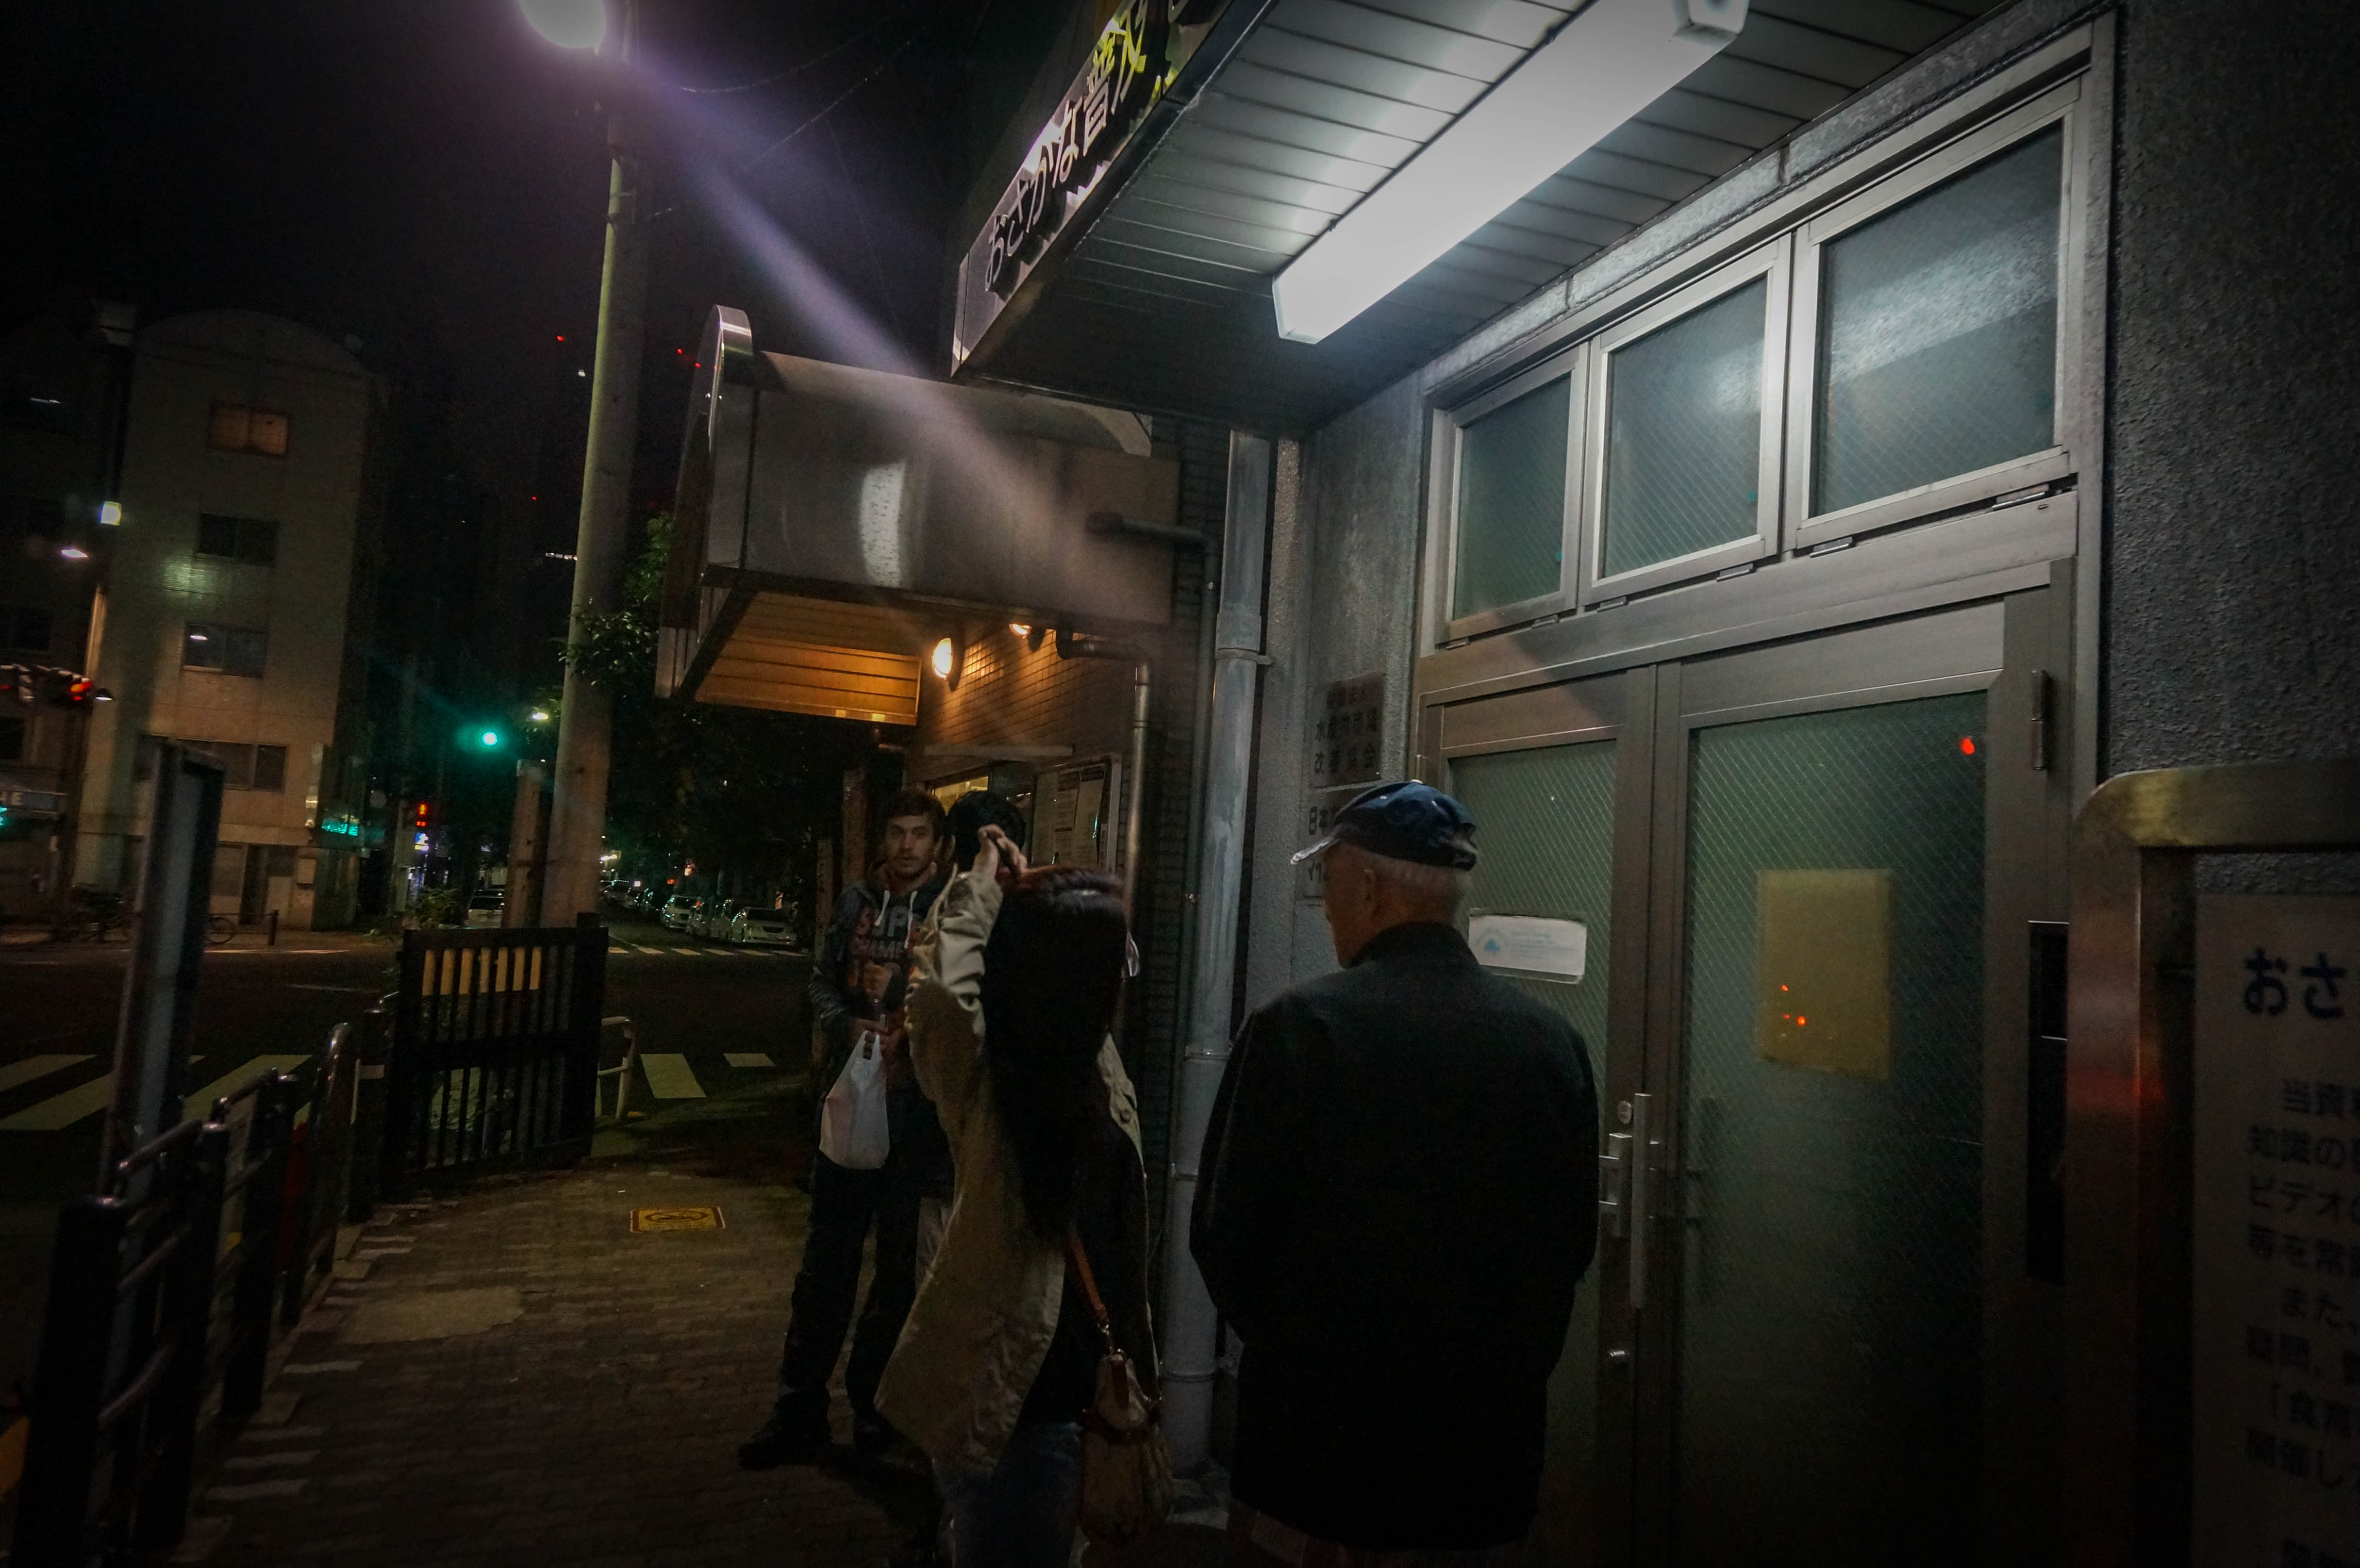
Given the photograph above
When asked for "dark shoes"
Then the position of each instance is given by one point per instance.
(784, 1439)
(872, 1433)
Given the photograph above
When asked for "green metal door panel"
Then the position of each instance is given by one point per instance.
(1829, 1399)
(1544, 822)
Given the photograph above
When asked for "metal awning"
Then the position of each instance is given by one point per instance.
(833, 524)
(1154, 293)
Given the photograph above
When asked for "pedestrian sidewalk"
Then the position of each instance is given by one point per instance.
(518, 1377)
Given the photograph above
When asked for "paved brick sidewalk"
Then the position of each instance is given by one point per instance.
(574, 1395)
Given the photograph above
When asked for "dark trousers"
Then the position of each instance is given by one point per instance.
(843, 1205)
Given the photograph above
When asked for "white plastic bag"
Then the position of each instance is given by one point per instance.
(853, 1131)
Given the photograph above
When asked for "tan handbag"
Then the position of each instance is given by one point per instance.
(1126, 1466)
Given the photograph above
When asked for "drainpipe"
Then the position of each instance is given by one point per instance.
(1076, 644)
(1189, 1321)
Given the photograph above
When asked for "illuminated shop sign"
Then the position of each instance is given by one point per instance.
(1113, 90)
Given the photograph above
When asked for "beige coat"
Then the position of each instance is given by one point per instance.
(985, 1314)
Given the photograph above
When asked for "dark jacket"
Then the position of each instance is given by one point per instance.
(1400, 1194)
(873, 927)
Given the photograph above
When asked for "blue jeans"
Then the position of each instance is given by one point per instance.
(1021, 1513)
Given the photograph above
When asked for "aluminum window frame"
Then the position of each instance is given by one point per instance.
(1571, 367)
(2061, 106)
(1773, 264)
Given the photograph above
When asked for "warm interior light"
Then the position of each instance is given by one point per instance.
(944, 655)
(1604, 66)
(568, 24)
(1020, 628)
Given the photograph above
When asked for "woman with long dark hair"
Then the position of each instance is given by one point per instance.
(1019, 975)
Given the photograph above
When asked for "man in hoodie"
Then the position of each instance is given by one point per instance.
(860, 977)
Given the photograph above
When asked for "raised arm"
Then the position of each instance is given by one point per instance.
(947, 997)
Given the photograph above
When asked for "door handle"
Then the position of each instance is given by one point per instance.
(1640, 1190)
(1613, 1185)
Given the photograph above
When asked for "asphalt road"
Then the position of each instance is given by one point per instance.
(725, 1031)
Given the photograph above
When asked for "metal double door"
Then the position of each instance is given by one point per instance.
(1814, 1333)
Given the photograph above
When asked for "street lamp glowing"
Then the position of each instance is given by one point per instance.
(110, 514)
(488, 740)
(1604, 66)
(568, 24)
(538, 716)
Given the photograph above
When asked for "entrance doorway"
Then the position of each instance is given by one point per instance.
(1806, 871)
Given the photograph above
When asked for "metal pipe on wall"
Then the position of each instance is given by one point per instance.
(1075, 644)
(1190, 1322)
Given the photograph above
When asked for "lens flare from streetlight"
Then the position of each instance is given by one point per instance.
(568, 24)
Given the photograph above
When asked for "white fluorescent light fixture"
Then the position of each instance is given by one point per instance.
(568, 24)
(1605, 65)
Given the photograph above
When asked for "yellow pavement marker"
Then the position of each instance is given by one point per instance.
(668, 1077)
(34, 1067)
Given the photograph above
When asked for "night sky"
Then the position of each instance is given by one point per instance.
(428, 176)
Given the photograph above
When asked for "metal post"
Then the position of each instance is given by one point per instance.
(1189, 1320)
(577, 816)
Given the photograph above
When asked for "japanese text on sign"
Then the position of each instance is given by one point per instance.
(2275, 1368)
(1348, 734)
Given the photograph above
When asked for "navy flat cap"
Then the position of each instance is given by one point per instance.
(1405, 821)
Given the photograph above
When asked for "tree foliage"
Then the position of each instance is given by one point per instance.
(741, 792)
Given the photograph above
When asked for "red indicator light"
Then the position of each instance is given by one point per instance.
(1967, 746)
(560, 337)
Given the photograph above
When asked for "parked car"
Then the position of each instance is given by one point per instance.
(763, 928)
(676, 911)
(485, 905)
(713, 919)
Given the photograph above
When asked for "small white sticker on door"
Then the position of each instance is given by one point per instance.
(1532, 943)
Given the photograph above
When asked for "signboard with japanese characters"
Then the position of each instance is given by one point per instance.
(1347, 734)
(2275, 1329)
(1311, 884)
(1125, 72)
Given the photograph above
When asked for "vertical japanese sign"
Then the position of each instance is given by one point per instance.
(1347, 734)
(2276, 1332)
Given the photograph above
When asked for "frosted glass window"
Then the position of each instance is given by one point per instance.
(1831, 1213)
(1937, 332)
(1512, 475)
(1684, 434)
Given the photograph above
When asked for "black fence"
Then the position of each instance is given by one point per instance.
(167, 1292)
(494, 1060)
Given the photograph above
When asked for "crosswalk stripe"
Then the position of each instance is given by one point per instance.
(34, 1067)
(747, 1059)
(668, 1077)
(691, 952)
(59, 1111)
(200, 1102)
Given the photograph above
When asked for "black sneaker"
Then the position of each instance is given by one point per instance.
(784, 1440)
(872, 1433)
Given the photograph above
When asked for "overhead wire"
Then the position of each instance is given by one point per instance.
(797, 69)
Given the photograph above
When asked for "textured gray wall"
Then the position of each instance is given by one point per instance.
(1344, 570)
(2232, 631)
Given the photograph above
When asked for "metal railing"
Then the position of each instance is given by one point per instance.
(168, 1291)
(494, 1058)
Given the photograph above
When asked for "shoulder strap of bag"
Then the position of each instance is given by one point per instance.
(1081, 1260)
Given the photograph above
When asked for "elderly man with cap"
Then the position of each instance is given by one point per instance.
(1400, 1196)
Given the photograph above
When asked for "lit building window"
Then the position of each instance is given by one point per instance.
(236, 427)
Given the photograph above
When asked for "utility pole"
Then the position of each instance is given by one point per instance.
(577, 814)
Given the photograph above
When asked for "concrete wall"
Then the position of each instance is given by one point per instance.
(1343, 603)
(159, 583)
(2233, 627)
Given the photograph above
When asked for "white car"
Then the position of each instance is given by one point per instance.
(711, 918)
(675, 912)
(763, 928)
(485, 907)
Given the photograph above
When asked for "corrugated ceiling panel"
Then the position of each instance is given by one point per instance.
(1321, 101)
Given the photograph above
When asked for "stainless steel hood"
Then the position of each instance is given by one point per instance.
(833, 523)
